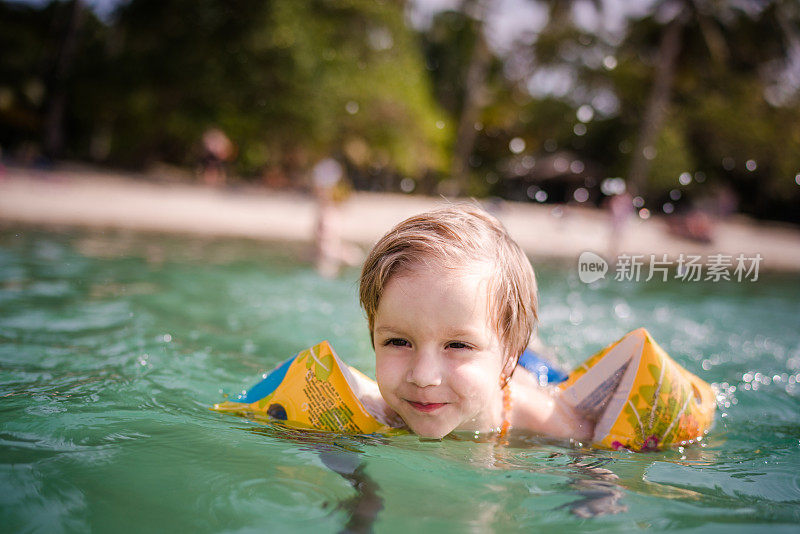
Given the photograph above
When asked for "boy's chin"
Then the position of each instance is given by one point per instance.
(430, 431)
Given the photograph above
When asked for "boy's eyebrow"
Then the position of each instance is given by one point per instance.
(456, 333)
(386, 329)
(462, 333)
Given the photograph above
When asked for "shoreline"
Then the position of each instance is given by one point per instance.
(101, 199)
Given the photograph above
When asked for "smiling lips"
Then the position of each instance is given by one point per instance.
(426, 407)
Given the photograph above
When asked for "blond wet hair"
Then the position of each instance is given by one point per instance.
(459, 237)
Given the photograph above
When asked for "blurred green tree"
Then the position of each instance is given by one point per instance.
(26, 40)
(713, 115)
(688, 92)
(290, 82)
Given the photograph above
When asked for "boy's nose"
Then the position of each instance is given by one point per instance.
(425, 369)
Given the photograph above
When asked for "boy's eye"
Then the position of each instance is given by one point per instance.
(457, 345)
(396, 342)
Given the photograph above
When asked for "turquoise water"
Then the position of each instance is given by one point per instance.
(112, 348)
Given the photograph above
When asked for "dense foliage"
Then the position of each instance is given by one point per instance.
(692, 99)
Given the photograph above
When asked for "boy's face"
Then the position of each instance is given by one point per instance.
(438, 358)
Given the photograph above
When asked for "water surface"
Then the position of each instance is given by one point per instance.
(113, 346)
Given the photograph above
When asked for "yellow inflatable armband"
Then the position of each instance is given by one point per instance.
(640, 398)
(314, 389)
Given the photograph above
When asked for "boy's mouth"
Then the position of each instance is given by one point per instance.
(426, 407)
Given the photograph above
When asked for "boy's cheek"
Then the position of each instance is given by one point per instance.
(477, 377)
(385, 376)
(386, 370)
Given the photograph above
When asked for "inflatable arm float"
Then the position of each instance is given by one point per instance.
(315, 389)
(639, 398)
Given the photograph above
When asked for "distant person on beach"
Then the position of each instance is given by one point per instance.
(693, 219)
(217, 151)
(694, 225)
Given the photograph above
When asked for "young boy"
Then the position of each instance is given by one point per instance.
(451, 304)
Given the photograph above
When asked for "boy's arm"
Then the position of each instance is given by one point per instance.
(541, 410)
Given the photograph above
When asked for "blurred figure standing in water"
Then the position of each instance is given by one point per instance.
(330, 190)
(620, 207)
(217, 150)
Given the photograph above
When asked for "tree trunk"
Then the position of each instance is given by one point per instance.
(57, 101)
(657, 104)
(474, 97)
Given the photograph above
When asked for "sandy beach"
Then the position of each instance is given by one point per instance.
(99, 199)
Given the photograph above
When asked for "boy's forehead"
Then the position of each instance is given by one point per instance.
(472, 282)
(448, 269)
